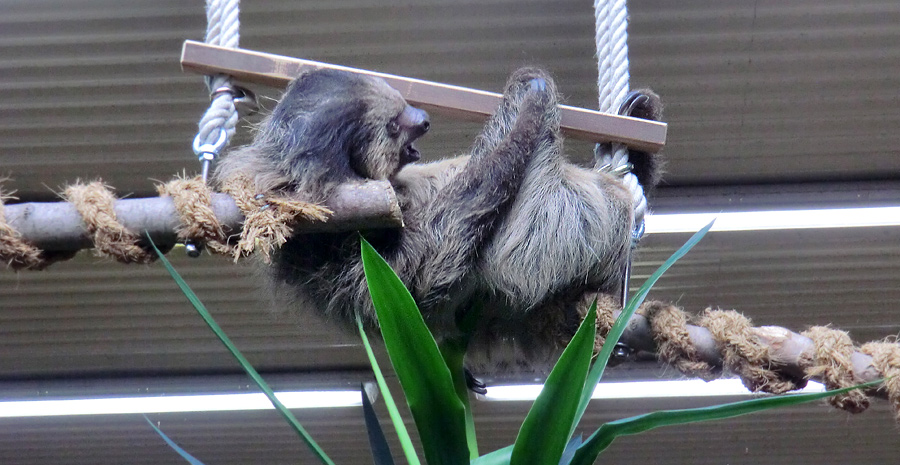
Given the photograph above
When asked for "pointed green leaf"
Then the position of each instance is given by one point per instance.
(497, 457)
(183, 453)
(454, 352)
(207, 317)
(622, 321)
(437, 410)
(571, 448)
(396, 419)
(606, 434)
(545, 432)
(381, 451)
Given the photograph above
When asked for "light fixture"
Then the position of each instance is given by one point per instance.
(181, 403)
(641, 389)
(777, 219)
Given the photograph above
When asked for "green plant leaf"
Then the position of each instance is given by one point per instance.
(606, 434)
(381, 452)
(569, 453)
(437, 410)
(497, 457)
(396, 419)
(622, 321)
(183, 453)
(207, 317)
(547, 427)
(454, 352)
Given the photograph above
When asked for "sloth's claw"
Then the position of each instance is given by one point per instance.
(538, 84)
(474, 384)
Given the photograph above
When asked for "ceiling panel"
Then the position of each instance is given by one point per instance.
(810, 434)
(756, 92)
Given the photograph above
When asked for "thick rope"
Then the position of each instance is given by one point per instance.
(669, 328)
(16, 253)
(217, 126)
(611, 38)
(743, 353)
(612, 52)
(754, 355)
(193, 201)
(267, 217)
(95, 203)
(886, 359)
(831, 363)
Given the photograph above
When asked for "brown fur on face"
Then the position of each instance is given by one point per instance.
(512, 224)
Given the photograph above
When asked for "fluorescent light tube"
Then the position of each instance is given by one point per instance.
(187, 403)
(778, 219)
(641, 389)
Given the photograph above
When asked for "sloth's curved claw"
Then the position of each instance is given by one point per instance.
(474, 384)
(538, 84)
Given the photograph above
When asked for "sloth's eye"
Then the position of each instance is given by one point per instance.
(393, 129)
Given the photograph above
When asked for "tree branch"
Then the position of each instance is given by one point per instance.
(57, 226)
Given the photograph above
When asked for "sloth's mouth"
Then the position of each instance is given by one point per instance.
(409, 154)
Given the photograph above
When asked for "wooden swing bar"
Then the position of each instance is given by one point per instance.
(454, 101)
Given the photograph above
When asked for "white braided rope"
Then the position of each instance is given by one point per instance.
(612, 84)
(223, 29)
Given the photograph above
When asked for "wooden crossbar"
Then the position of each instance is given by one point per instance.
(459, 102)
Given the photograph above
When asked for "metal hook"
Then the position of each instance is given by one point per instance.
(192, 249)
(208, 152)
(632, 101)
(621, 353)
(243, 98)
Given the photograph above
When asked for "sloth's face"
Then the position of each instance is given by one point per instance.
(409, 125)
(393, 126)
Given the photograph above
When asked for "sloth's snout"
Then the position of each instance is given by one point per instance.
(415, 120)
(424, 126)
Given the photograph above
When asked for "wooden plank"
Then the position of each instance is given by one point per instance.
(460, 102)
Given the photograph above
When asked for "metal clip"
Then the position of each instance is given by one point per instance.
(632, 101)
(638, 233)
(244, 99)
(192, 249)
(621, 353)
(208, 152)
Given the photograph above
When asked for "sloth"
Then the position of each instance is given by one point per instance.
(511, 227)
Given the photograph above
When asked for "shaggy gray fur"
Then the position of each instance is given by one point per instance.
(511, 225)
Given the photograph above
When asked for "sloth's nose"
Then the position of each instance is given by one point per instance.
(416, 120)
(426, 125)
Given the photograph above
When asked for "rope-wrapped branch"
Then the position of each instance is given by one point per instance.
(33, 234)
(767, 358)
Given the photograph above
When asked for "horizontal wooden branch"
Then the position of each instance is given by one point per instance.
(786, 349)
(459, 102)
(57, 226)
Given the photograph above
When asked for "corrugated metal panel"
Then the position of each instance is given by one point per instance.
(89, 317)
(767, 91)
(809, 434)
(755, 92)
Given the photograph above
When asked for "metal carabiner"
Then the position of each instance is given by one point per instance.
(633, 100)
(206, 153)
(243, 98)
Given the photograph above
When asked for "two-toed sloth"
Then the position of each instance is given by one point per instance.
(511, 225)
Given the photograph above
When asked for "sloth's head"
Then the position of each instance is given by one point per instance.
(355, 125)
